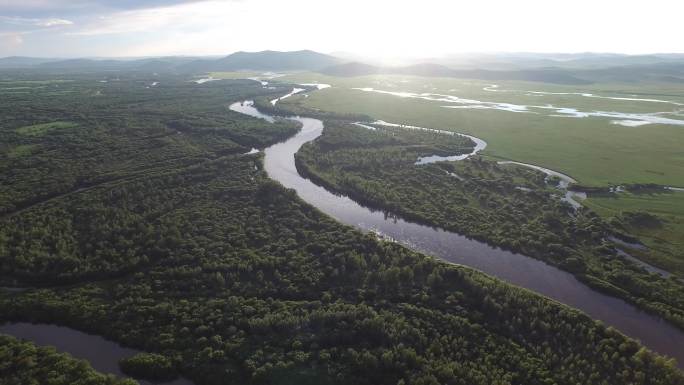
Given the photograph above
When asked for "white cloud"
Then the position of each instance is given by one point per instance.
(390, 27)
(23, 21)
(84, 6)
(53, 22)
(149, 19)
(376, 28)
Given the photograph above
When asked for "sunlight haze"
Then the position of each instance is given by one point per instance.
(379, 28)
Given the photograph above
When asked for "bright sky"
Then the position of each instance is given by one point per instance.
(74, 28)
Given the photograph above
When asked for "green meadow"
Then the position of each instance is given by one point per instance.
(234, 75)
(664, 240)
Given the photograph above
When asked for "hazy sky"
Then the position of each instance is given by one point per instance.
(70, 28)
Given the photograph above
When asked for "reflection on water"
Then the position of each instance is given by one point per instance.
(294, 91)
(573, 198)
(247, 108)
(319, 86)
(205, 80)
(565, 180)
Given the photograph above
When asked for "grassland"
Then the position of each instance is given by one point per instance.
(234, 75)
(592, 150)
(665, 242)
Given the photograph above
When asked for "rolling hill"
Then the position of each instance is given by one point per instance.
(258, 61)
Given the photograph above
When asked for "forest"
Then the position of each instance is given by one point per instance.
(140, 218)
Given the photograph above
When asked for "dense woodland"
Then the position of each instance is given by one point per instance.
(129, 132)
(160, 233)
(149, 366)
(505, 205)
(59, 136)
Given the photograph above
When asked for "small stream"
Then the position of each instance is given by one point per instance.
(479, 143)
(573, 198)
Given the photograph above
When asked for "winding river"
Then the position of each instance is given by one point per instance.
(517, 269)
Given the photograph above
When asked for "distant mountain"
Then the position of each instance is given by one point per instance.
(22, 61)
(672, 71)
(169, 63)
(549, 75)
(265, 61)
(522, 60)
(258, 61)
(559, 68)
(544, 75)
(86, 64)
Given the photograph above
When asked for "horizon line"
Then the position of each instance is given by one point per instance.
(352, 53)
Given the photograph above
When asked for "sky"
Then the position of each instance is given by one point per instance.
(376, 28)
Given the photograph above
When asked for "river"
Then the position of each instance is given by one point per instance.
(517, 269)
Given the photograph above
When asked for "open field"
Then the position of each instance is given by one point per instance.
(666, 242)
(234, 75)
(605, 96)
